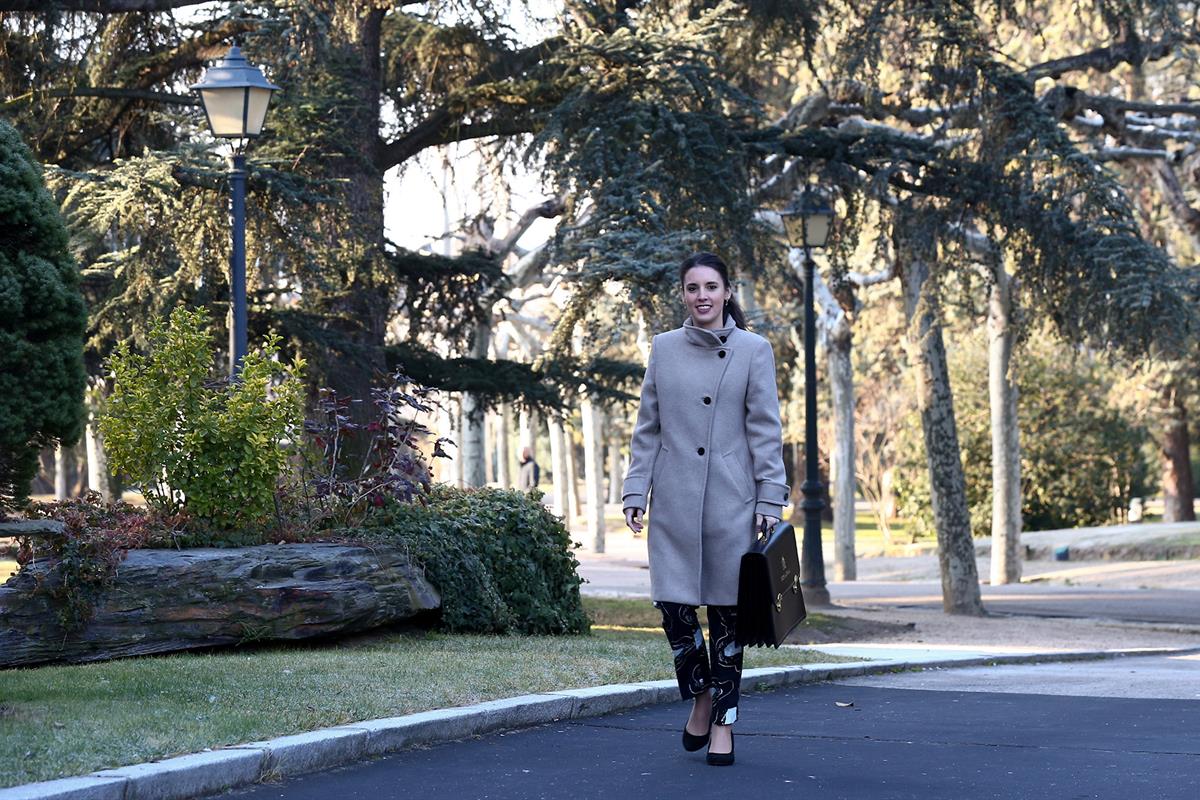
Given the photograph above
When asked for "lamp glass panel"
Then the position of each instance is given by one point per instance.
(793, 225)
(225, 108)
(256, 111)
(816, 230)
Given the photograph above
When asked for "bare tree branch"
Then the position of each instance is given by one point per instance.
(1104, 59)
(1168, 182)
(547, 210)
(1126, 153)
(863, 279)
(441, 126)
(437, 130)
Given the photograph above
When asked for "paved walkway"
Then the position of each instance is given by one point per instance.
(1164, 606)
(862, 739)
(1165, 592)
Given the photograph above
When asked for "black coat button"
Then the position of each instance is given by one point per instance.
(700, 450)
(707, 400)
(720, 353)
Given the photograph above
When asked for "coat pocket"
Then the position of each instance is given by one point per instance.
(660, 460)
(738, 474)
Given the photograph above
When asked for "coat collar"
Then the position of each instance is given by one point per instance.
(704, 337)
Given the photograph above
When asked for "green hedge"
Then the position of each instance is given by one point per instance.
(501, 561)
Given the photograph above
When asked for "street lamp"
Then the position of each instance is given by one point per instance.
(235, 96)
(807, 222)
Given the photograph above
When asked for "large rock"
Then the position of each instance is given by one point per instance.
(163, 600)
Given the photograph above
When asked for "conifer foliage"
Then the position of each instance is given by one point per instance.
(42, 321)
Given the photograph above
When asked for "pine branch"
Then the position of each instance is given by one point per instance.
(111, 92)
(194, 52)
(97, 6)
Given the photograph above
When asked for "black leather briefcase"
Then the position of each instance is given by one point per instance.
(770, 603)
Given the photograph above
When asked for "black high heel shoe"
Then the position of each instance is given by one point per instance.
(721, 759)
(692, 742)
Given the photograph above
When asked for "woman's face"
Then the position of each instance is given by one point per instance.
(704, 294)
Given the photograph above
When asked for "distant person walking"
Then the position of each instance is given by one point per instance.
(707, 455)
(530, 475)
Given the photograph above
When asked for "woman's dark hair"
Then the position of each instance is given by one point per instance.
(713, 260)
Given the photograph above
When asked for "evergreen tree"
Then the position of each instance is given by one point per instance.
(42, 321)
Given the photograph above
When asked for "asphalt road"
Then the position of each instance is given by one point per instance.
(891, 743)
(1169, 606)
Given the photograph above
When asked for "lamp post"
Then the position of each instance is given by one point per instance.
(807, 222)
(235, 96)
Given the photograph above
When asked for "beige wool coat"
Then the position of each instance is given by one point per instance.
(707, 454)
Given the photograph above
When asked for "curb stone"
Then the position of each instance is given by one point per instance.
(217, 771)
(88, 787)
(309, 752)
(186, 776)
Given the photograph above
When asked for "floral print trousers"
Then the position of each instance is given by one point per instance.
(720, 669)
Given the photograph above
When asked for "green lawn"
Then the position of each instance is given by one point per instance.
(57, 721)
(868, 538)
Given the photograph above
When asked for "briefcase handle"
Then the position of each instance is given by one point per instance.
(764, 531)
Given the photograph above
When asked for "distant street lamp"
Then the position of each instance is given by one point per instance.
(807, 222)
(235, 96)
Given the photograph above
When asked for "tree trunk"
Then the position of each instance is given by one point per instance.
(62, 467)
(503, 451)
(361, 314)
(473, 460)
(166, 600)
(97, 459)
(593, 459)
(572, 479)
(841, 384)
(887, 501)
(1006, 444)
(746, 297)
(614, 473)
(529, 424)
(947, 483)
(1178, 487)
(558, 459)
(474, 435)
(454, 464)
(793, 466)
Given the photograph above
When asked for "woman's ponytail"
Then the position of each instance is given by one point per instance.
(734, 309)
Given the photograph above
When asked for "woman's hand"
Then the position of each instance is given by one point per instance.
(633, 519)
(760, 519)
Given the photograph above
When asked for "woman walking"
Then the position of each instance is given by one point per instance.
(707, 454)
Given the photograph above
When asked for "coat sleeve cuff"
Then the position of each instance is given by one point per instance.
(634, 501)
(773, 494)
(634, 484)
(768, 509)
